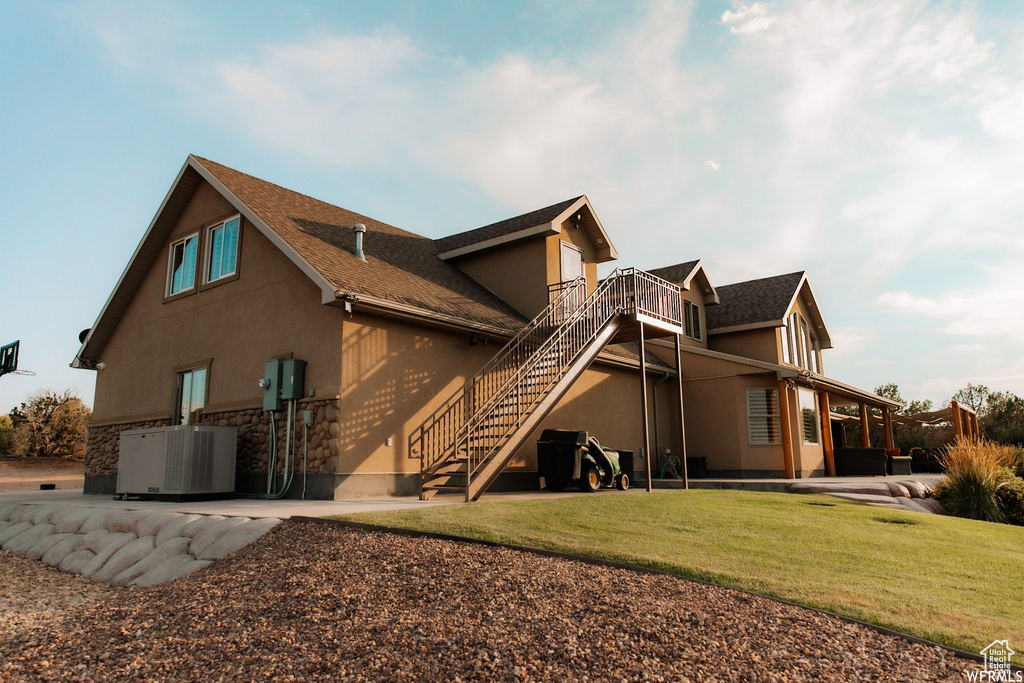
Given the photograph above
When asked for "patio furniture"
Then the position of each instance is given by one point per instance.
(860, 462)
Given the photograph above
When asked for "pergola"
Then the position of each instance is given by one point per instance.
(963, 418)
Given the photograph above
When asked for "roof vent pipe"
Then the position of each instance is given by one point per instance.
(359, 229)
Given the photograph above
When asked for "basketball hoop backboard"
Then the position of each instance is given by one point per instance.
(9, 357)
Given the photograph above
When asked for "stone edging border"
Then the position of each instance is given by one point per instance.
(398, 531)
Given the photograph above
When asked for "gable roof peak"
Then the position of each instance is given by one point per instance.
(545, 221)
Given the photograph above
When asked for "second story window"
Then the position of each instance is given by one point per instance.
(222, 249)
(181, 271)
(691, 313)
(800, 345)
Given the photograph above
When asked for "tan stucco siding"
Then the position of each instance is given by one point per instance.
(270, 310)
(517, 273)
(696, 297)
(760, 344)
(579, 239)
(394, 375)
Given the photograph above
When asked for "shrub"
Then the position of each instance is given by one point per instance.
(974, 471)
(1010, 499)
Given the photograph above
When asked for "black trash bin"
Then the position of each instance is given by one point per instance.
(558, 456)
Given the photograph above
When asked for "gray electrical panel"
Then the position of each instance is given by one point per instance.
(293, 376)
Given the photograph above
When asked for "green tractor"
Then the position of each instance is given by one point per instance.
(565, 456)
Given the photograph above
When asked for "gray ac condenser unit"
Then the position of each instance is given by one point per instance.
(187, 461)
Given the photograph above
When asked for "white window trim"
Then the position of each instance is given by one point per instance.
(802, 392)
(208, 249)
(562, 249)
(170, 266)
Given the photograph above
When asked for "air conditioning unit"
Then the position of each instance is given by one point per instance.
(178, 463)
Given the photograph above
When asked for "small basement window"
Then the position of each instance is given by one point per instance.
(222, 246)
(181, 271)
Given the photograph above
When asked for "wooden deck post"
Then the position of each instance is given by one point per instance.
(826, 433)
(887, 428)
(643, 409)
(865, 434)
(682, 422)
(787, 435)
(958, 427)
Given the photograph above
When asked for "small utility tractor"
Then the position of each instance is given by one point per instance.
(565, 456)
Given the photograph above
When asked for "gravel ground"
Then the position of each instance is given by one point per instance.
(315, 602)
(26, 474)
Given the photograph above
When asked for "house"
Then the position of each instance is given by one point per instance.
(234, 271)
(431, 365)
(754, 386)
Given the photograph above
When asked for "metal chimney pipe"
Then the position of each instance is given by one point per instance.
(359, 229)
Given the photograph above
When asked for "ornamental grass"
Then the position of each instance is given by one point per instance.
(975, 469)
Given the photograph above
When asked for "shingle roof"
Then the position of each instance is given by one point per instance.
(401, 266)
(506, 227)
(676, 274)
(754, 301)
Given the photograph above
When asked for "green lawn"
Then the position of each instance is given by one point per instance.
(952, 581)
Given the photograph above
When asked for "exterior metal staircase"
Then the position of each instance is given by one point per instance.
(467, 442)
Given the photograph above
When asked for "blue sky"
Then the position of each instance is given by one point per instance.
(877, 145)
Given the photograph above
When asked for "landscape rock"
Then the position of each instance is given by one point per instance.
(898, 490)
(235, 539)
(150, 523)
(128, 555)
(161, 553)
(114, 542)
(20, 544)
(60, 550)
(165, 571)
(212, 533)
(916, 489)
(173, 528)
(37, 551)
(72, 520)
(75, 561)
(866, 488)
(13, 530)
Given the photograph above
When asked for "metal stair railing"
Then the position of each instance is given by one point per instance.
(488, 430)
(480, 419)
(432, 441)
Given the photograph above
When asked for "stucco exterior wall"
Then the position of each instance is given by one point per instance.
(271, 310)
(395, 374)
(760, 344)
(517, 273)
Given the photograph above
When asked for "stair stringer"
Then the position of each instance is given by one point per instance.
(494, 466)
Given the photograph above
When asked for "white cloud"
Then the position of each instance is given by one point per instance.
(863, 140)
(748, 19)
(987, 310)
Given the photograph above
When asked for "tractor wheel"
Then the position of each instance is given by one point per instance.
(590, 478)
(621, 481)
(554, 484)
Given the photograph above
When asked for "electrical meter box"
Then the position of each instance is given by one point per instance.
(272, 389)
(293, 376)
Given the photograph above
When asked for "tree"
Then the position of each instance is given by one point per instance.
(8, 435)
(1003, 419)
(973, 396)
(53, 424)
